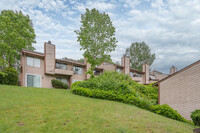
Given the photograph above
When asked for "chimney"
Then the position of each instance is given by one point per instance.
(145, 76)
(49, 61)
(125, 61)
(173, 69)
(49, 42)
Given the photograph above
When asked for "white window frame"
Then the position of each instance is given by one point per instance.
(35, 75)
(61, 65)
(74, 70)
(33, 61)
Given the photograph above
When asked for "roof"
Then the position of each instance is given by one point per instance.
(33, 53)
(137, 71)
(99, 69)
(155, 71)
(182, 70)
(71, 61)
(119, 66)
(39, 54)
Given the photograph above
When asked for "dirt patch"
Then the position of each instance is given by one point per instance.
(20, 123)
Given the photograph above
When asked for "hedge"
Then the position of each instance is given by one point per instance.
(119, 87)
(9, 76)
(59, 84)
(196, 117)
(163, 110)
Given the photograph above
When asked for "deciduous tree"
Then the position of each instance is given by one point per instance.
(139, 54)
(16, 33)
(96, 37)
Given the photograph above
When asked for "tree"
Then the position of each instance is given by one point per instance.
(139, 54)
(16, 33)
(81, 60)
(96, 37)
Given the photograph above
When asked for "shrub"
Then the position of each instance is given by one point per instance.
(119, 87)
(59, 84)
(167, 111)
(2, 77)
(196, 117)
(9, 76)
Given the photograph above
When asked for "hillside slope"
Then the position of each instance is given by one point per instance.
(56, 110)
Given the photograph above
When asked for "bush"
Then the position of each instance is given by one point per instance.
(9, 76)
(119, 87)
(122, 84)
(59, 84)
(167, 111)
(196, 117)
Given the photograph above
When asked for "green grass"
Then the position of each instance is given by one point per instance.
(57, 110)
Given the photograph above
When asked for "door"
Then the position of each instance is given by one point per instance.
(33, 80)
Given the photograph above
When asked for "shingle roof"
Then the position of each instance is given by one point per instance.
(182, 70)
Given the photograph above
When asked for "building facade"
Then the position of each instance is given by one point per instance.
(38, 69)
(181, 90)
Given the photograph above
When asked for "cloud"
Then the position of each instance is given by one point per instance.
(130, 3)
(100, 5)
(170, 28)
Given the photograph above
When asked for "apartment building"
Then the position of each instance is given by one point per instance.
(156, 75)
(181, 90)
(38, 69)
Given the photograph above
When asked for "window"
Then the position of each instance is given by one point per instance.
(131, 74)
(63, 80)
(77, 70)
(151, 77)
(137, 75)
(33, 80)
(96, 72)
(118, 70)
(31, 61)
(61, 66)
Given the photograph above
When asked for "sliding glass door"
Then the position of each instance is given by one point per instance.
(33, 80)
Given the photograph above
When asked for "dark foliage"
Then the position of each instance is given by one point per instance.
(59, 84)
(196, 117)
(9, 76)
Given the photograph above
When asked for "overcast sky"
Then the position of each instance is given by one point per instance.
(170, 27)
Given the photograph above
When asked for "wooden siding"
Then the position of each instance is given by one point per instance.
(182, 91)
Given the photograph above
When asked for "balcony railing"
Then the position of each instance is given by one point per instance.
(138, 79)
(64, 71)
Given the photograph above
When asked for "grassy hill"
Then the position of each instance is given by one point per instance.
(57, 110)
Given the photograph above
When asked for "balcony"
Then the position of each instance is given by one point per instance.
(64, 71)
(138, 79)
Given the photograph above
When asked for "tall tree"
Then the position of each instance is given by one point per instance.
(81, 60)
(16, 33)
(139, 54)
(96, 37)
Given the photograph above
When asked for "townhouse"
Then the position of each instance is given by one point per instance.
(38, 69)
(181, 89)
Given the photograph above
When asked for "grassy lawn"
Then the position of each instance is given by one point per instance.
(56, 110)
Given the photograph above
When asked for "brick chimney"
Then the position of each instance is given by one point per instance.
(125, 61)
(49, 61)
(173, 69)
(145, 76)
